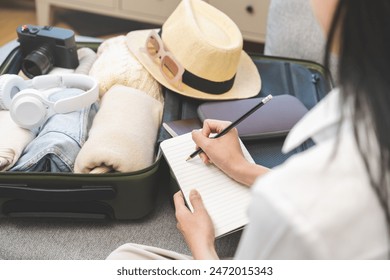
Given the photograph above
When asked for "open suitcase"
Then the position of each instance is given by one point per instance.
(132, 195)
(115, 195)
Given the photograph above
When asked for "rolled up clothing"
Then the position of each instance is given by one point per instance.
(116, 65)
(123, 134)
(13, 141)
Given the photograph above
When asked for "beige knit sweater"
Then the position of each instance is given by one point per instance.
(116, 65)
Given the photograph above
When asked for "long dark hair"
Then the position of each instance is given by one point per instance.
(363, 30)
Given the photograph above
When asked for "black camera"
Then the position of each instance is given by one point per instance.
(45, 47)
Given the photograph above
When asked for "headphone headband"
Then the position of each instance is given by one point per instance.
(29, 103)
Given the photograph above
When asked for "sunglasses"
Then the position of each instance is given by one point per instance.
(169, 66)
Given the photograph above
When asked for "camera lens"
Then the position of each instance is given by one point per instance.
(38, 62)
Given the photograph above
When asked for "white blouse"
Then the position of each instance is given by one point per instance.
(319, 204)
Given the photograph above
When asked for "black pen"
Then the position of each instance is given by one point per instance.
(233, 124)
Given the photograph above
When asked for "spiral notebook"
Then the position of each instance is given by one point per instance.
(225, 199)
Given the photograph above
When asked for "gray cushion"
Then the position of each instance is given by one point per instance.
(293, 31)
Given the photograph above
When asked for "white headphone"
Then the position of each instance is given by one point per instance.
(28, 100)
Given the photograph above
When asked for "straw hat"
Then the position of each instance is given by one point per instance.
(208, 46)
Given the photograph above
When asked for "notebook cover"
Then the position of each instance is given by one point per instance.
(179, 127)
(274, 119)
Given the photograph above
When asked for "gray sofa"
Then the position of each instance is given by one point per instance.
(292, 31)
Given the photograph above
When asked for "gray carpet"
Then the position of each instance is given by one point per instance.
(50, 239)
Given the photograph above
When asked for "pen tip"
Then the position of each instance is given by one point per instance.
(188, 158)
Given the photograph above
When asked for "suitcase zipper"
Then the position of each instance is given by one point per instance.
(315, 78)
(290, 85)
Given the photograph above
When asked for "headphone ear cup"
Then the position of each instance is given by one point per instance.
(27, 109)
(10, 85)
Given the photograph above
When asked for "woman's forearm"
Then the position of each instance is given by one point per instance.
(246, 173)
(205, 253)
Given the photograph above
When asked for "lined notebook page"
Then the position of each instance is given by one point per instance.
(225, 199)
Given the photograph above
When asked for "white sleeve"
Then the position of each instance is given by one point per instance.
(276, 231)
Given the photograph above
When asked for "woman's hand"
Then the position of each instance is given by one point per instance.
(197, 227)
(225, 152)
(215, 149)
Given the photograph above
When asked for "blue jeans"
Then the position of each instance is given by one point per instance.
(59, 140)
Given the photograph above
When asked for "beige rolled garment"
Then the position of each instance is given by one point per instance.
(123, 134)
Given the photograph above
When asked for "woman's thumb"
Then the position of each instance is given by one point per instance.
(196, 200)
